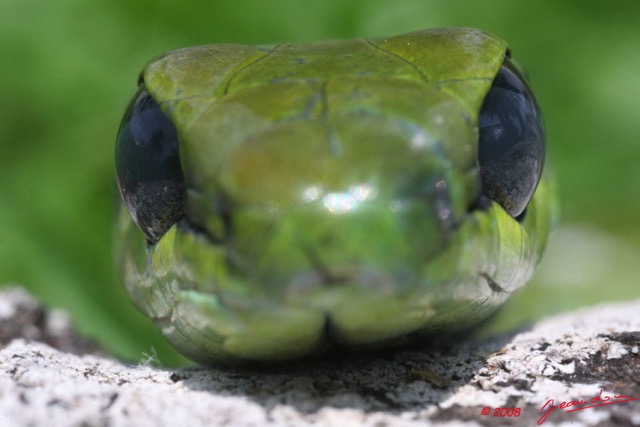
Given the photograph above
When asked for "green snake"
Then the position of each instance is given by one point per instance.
(279, 201)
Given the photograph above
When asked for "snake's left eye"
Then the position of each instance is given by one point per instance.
(148, 167)
(512, 142)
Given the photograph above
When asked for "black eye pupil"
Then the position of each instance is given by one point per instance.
(512, 142)
(148, 167)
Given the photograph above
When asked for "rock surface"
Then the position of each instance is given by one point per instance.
(588, 359)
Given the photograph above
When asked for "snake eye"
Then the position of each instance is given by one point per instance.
(512, 142)
(148, 167)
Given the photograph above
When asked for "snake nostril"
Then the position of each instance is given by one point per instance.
(212, 215)
(482, 203)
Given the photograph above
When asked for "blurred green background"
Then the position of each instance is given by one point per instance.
(68, 69)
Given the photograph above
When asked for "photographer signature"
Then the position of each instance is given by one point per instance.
(578, 405)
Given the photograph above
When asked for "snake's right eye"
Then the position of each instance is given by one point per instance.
(512, 142)
(148, 168)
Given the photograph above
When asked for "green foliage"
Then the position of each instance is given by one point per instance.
(70, 67)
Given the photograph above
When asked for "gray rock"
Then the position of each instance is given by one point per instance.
(591, 355)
